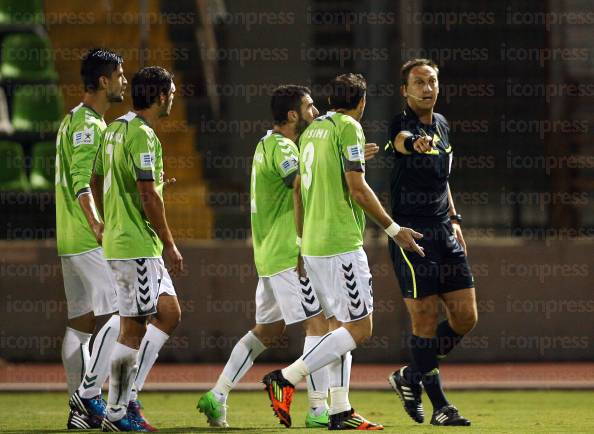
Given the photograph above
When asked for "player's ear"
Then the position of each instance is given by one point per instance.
(103, 82)
(362, 102)
(403, 90)
(292, 116)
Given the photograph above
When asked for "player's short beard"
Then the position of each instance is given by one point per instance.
(117, 97)
(166, 110)
(302, 124)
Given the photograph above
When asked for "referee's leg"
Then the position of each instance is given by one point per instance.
(462, 316)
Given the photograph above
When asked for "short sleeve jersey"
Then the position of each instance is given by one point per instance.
(77, 141)
(333, 222)
(419, 182)
(130, 152)
(274, 169)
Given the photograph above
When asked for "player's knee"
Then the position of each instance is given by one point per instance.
(85, 323)
(269, 334)
(424, 325)
(360, 330)
(168, 315)
(316, 326)
(464, 322)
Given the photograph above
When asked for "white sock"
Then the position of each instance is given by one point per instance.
(245, 351)
(329, 348)
(124, 366)
(75, 357)
(318, 382)
(340, 374)
(151, 344)
(99, 364)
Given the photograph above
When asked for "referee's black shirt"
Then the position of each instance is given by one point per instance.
(418, 182)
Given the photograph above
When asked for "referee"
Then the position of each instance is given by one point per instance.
(421, 199)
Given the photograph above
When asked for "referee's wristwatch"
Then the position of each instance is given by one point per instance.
(456, 218)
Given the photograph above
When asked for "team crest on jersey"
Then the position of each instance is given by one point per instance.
(84, 137)
(355, 153)
(147, 160)
(289, 164)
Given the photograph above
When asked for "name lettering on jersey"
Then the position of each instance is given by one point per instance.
(147, 160)
(355, 153)
(289, 164)
(84, 137)
(316, 133)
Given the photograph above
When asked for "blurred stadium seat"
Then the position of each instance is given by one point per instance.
(43, 167)
(21, 12)
(27, 57)
(37, 109)
(12, 168)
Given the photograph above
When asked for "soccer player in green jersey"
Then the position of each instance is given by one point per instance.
(88, 283)
(336, 198)
(282, 297)
(137, 239)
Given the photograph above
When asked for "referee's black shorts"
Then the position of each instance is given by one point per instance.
(444, 268)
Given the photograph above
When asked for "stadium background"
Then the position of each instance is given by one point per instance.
(516, 86)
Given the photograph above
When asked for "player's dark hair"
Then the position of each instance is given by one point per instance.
(284, 99)
(410, 64)
(148, 84)
(98, 62)
(346, 91)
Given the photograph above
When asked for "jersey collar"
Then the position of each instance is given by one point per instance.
(88, 107)
(408, 112)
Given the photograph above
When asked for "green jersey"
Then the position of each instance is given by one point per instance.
(78, 138)
(333, 222)
(130, 152)
(274, 236)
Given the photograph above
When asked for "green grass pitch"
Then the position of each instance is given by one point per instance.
(249, 412)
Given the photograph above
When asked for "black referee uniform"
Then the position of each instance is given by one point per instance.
(419, 200)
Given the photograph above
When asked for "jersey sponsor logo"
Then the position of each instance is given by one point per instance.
(147, 160)
(355, 153)
(84, 137)
(289, 164)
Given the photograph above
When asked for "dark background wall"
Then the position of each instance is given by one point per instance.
(535, 303)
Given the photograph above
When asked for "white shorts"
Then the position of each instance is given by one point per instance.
(343, 284)
(139, 283)
(88, 284)
(285, 296)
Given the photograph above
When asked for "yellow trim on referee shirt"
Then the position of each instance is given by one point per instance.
(412, 271)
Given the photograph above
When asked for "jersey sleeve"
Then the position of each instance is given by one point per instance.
(85, 142)
(98, 164)
(352, 144)
(286, 162)
(396, 127)
(142, 153)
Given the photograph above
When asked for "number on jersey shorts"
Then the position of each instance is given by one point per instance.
(139, 282)
(344, 284)
(285, 296)
(88, 284)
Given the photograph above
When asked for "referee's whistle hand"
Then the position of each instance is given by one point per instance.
(406, 239)
(423, 144)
